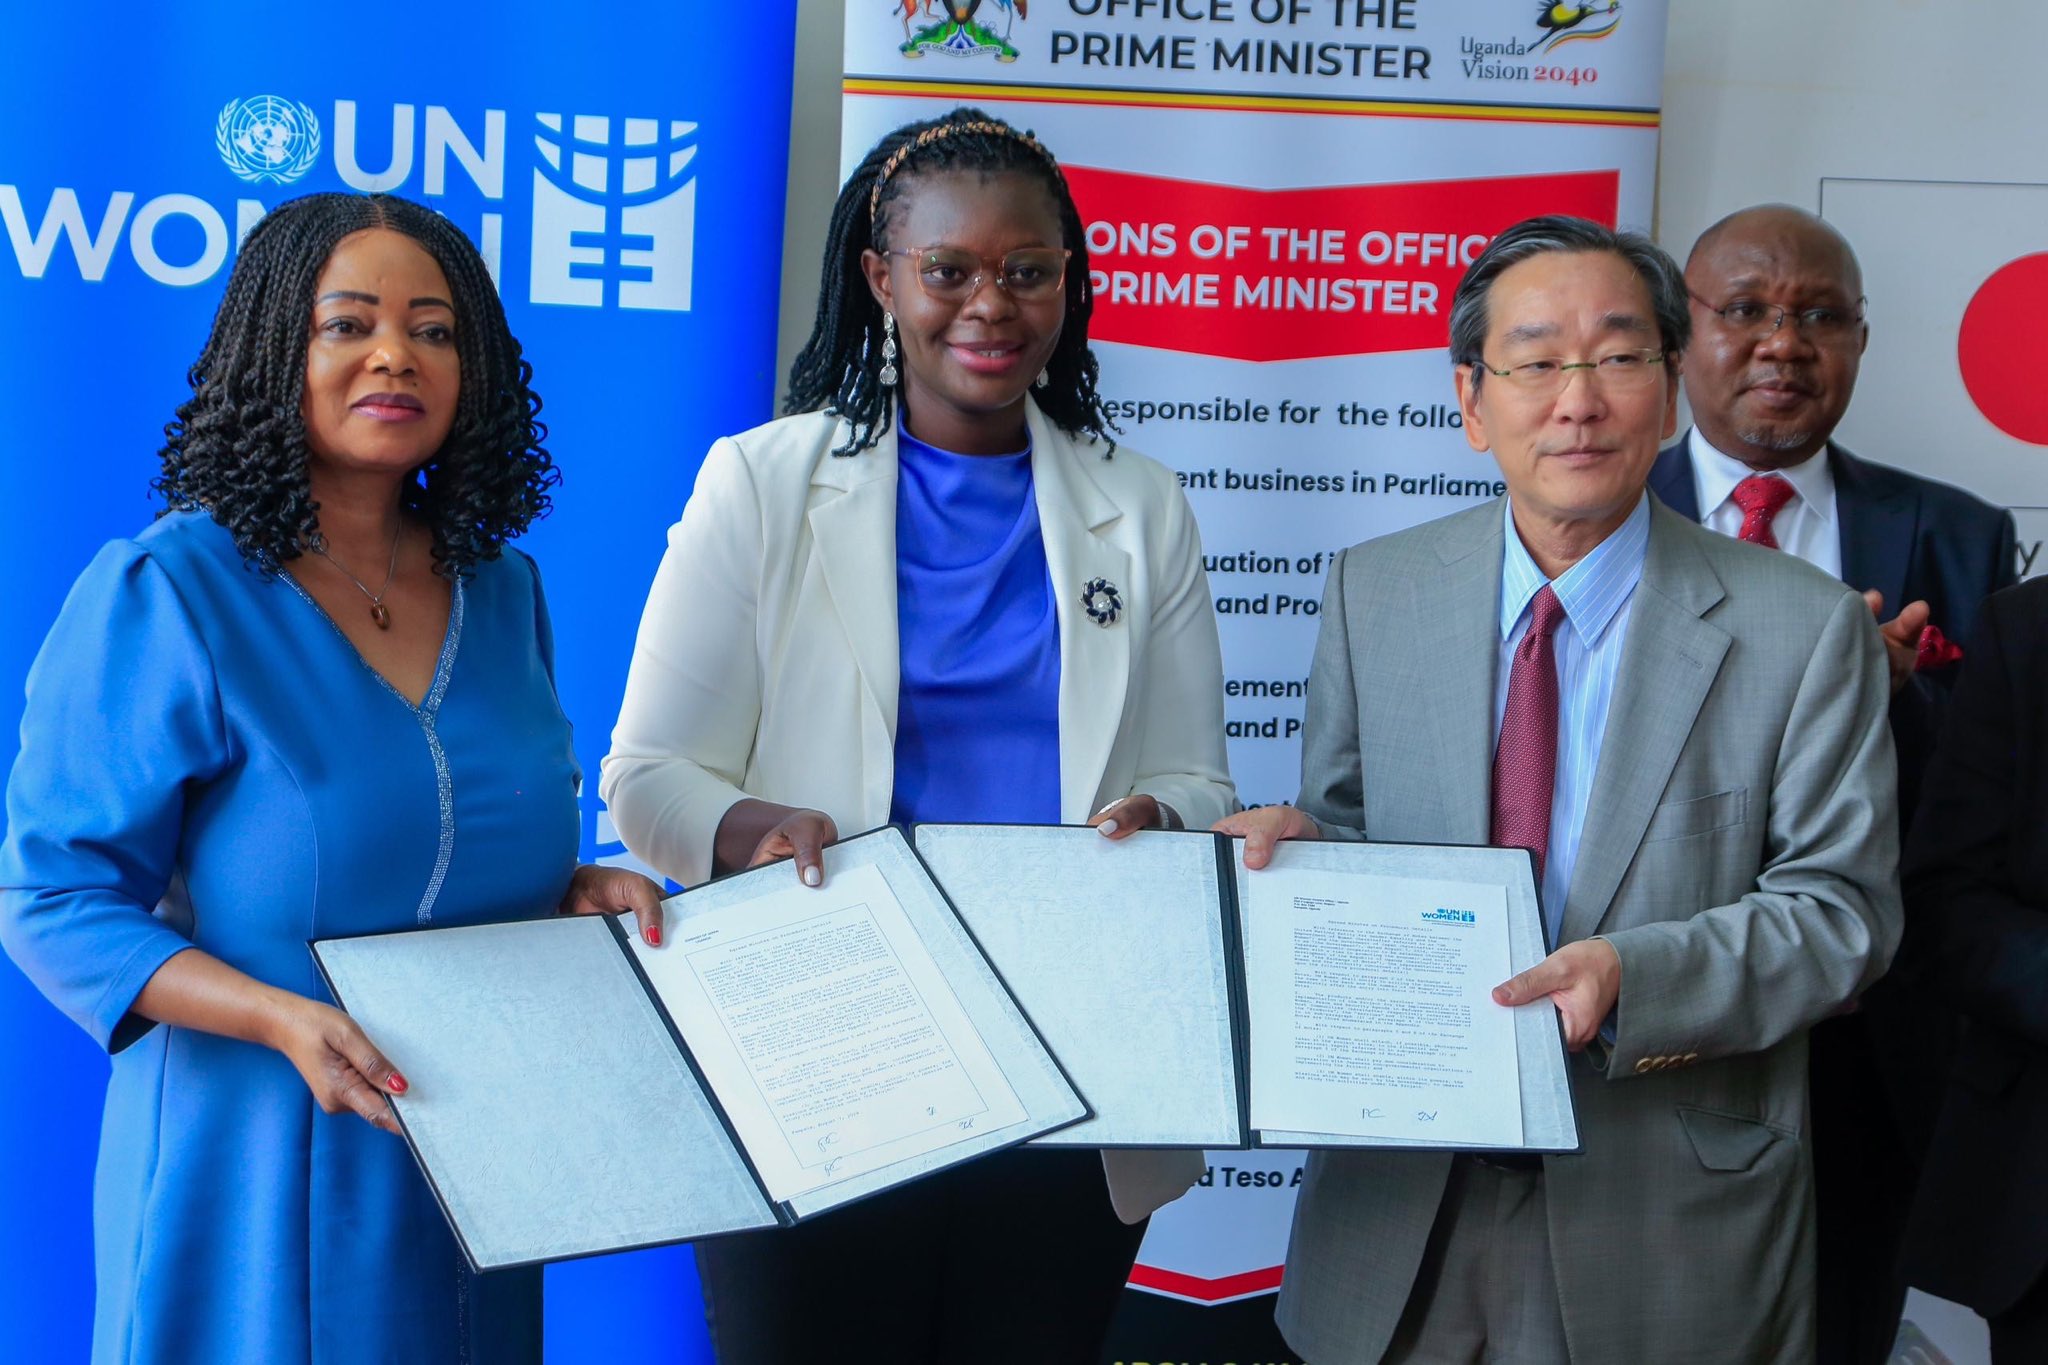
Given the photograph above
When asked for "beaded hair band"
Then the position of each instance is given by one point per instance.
(945, 130)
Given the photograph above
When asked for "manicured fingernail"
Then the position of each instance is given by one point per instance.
(812, 876)
(397, 1084)
(654, 935)
(1108, 827)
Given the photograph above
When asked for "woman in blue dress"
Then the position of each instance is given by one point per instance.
(315, 698)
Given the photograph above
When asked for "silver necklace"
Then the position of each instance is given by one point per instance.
(378, 611)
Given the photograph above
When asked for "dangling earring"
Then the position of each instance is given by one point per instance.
(1044, 378)
(888, 375)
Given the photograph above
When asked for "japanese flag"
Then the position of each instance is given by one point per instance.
(1955, 383)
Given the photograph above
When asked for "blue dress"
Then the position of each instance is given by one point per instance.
(207, 761)
(979, 639)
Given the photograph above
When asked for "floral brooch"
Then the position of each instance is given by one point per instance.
(1102, 600)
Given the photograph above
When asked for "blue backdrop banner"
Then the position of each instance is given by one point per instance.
(623, 171)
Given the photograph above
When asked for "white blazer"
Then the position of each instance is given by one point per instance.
(767, 663)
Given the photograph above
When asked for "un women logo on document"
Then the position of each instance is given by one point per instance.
(267, 137)
(614, 212)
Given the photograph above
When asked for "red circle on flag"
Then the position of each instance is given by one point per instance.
(1997, 349)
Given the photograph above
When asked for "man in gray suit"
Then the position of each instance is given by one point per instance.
(1689, 733)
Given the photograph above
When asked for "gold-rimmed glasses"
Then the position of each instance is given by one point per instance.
(1615, 371)
(951, 274)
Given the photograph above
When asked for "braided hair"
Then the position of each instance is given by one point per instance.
(237, 447)
(839, 368)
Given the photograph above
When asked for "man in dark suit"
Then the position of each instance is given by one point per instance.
(1779, 331)
(1977, 890)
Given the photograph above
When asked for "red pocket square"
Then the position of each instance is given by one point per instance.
(1936, 650)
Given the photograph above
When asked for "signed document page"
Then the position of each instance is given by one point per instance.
(548, 1105)
(831, 1037)
(1371, 1009)
(1117, 951)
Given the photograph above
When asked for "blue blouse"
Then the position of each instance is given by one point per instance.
(206, 761)
(977, 712)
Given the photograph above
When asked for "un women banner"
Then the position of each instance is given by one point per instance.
(622, 173)
(1279, 198)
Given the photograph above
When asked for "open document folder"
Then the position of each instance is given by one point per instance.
(1338, 998)
(791, 1050)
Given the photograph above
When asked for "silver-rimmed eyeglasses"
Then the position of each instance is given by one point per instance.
(1614, 371)
(1756, 319)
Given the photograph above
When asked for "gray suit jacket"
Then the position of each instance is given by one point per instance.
(1740, 853)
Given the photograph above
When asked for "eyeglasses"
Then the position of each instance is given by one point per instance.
(1615, 372)
(952, 274)
(1756, 320)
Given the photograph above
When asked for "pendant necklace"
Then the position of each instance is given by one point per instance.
(378, 611)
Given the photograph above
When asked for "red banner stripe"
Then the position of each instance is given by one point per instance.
(1225, 270)
(1209, 1291)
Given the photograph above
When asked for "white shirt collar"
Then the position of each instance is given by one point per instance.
(1715, 476)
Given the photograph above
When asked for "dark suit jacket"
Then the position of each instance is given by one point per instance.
(1976, 881)
(1912, 539)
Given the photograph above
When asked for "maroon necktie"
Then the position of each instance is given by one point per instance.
(1525, 764)
(1760, 498)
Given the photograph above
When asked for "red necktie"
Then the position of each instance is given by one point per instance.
(1760, 498)
(1525, 764)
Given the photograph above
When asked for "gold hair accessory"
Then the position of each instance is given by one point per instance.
(946, 130)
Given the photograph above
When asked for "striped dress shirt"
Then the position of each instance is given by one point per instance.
(1595, 594)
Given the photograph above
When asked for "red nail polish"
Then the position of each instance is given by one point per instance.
(397, 1084)
(654, 935)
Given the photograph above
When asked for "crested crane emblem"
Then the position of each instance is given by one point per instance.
(954, 31)
(1567, 23)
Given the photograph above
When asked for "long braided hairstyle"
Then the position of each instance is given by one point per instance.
(237, 448)
(839, 368)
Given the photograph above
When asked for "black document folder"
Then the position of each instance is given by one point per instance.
(1131, 957)
(788, 1051)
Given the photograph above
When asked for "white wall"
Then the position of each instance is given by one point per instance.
(1762, 98)
(813, 168)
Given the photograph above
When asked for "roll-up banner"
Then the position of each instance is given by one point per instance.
(625, 179)
(1279, 199)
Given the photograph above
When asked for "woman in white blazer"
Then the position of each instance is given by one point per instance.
(945, 594)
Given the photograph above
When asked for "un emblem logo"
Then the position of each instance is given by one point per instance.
(267, 138)
(614, 211)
